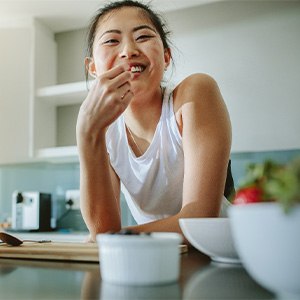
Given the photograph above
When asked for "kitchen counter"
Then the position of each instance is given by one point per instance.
(199, 279)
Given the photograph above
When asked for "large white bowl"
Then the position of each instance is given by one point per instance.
(139, 259)
(211, 236)
(268, 242)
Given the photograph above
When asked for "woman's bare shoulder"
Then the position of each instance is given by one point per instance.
(193, 86)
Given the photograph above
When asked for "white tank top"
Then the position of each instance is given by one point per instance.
(152, 183)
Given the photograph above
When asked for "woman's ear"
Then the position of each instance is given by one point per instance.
(167, 56)
(90, 66)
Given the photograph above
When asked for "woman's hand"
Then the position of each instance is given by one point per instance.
(89, 239)
(107, 99)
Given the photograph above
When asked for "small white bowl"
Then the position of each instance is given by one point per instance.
(268, 242)
(139, 259)
(211, 236)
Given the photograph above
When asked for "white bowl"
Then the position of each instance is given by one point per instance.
(212, 236)
(268, 242)
(139, 259)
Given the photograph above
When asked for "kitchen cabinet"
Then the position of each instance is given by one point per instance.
(15, 55)
(28, 61)
(29, 95)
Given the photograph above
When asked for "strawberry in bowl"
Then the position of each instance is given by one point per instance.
(251, 194)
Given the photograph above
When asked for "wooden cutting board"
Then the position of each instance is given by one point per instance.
(86, 252)
(52, 251)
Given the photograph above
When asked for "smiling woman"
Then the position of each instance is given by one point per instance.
(167, 148)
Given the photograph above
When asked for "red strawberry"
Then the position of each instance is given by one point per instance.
(250, 194)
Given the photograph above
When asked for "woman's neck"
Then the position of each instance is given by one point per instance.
(143, 114)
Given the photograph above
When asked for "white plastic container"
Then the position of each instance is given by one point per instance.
(139, 259)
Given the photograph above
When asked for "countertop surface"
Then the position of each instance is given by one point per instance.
(199, 279)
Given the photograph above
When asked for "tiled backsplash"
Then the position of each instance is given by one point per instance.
(57, 178)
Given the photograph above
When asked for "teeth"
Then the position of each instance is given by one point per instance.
(136, 69)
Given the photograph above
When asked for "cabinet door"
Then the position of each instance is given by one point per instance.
(15, 91)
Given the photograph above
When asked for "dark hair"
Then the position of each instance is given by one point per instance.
(156, 19)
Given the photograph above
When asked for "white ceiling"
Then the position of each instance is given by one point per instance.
(64, 15)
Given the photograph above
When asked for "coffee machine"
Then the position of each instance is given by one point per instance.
(31, 211)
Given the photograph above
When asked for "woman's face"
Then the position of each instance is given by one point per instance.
(127, 36)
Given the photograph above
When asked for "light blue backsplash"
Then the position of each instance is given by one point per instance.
(241, 160)
(43, 177)
(57, 178)
(47, 178)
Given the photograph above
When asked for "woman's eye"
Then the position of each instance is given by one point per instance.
(111, 41)
(144, 37)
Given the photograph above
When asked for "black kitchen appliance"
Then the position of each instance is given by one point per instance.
(31, 211)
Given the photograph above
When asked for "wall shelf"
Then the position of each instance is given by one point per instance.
(64, 94)
(58, 154)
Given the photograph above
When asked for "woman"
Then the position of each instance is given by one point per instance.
(166, 148)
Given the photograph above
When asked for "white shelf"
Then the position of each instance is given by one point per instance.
(58, 154)
(59, 95)
(63, 94)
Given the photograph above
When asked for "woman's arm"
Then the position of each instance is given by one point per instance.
(206, 134)
(206, 143)
(99, 191)
(99, 185)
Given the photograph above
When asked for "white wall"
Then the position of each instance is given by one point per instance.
(252, 49)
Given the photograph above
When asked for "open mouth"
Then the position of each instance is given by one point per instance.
(137, 69)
